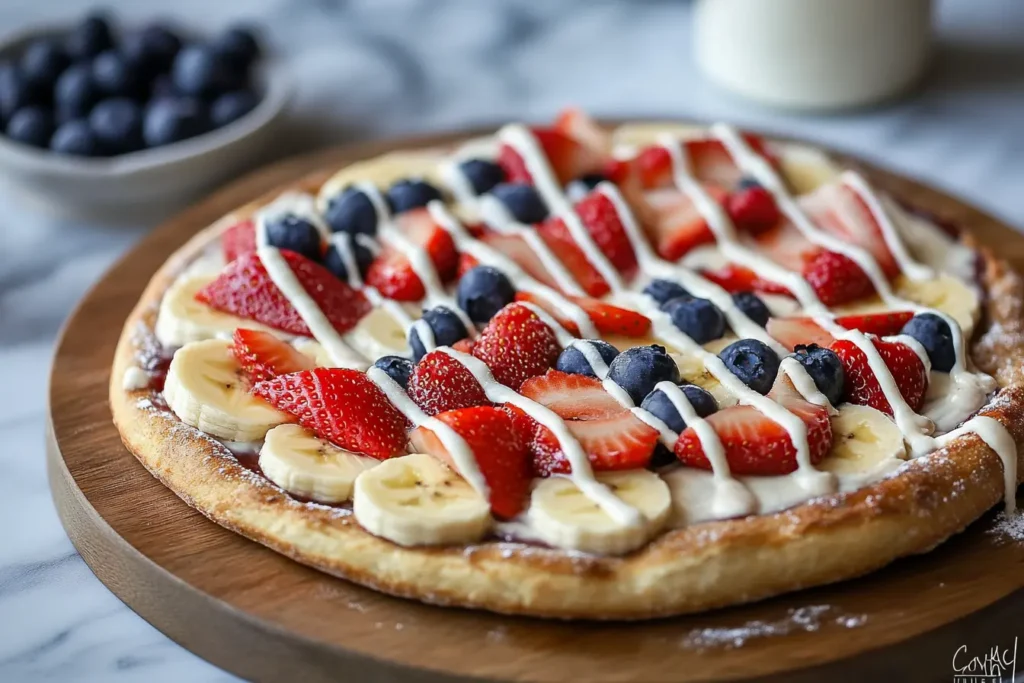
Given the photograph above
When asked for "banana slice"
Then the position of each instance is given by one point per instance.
(562, 516)
(182, 320)
(416, 500)
(298, 461)
(205, 389)
(945, 293)
(806, 168)
(382, 171)
(378, 334)
(865, 443)
(313, 349)
(692, 370)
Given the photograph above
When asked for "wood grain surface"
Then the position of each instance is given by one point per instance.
(261, 616)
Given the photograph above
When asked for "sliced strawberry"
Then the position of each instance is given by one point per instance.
(608, 319)
(342, 406)
(499, 450)
(861, 383)
(578, 125)
(516, 345)
(244, 288)
(263, 356)
(673, 223)
(393, 275)
(569, 159)
(734, 279)
(792, 332)
(466, 264)
(838, 209)
(516, 248)
(575, 397)
(752, 209)
(239, 239)
(836, 279)
(618, 442)
(786, 245)
(652, 168)
(598, 215)
(439, 383)
(880, 324)
(756, 445)
(464, 345)
(558, 239)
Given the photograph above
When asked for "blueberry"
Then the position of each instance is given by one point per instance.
(752, 307)
(824, 367)
(115, 76)
(334, 262)
(698, 319)
(352, 212)
(238, 46)
(117, 125)
(574, 362)
(483, 291)
(171, 119)
(31, 126)
(935, 336)
(162, 86)
(581, 187)
(483, 175)
(91, 37)
(638, 369)
(753, 362)
(446, 326)
(397, 368)
(411, 193)
(232, 106)
(199, 71)
(14, 91)
(664, 291)
(522, 201)
(746, 183)
(75, 137)
(76, 92)
(42, 62)
(660, 405)
(153, 48)
(295, 234)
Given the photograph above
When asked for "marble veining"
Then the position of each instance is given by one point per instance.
(372, 68)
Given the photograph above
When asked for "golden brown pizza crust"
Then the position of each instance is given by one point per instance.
(700, 567)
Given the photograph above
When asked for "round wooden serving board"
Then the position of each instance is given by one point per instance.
(264, 617)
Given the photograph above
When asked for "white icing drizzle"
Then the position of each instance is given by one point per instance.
(456, 446)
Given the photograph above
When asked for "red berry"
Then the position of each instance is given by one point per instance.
(263, 356)
(752, 209)
(576, 397)
(238, 240)
(244, 288)
(879, 324)
(599, 217)
(558, 239)
(516, 345)
(439, 383)
(836, 279)
(499, 450)
(618, 442)
(735, 279)
(861, 384)
(342, 406)
(795, 331)
(391, 272)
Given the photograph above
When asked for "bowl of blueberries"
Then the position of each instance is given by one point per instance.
(96, 119)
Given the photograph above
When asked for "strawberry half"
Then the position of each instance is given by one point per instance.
(392, 274)
(673, 223)
(612, 437)
(244, 288)
(578, 125)
(342, 406)
(786, 245)
(516, 345)
(756, 445)
(238, 240)
(263, 356)
(836, 279)
(752, 209)
(709, 162)
(861, 384)
(561, 243)
(569, 158)
(838, 209)
(734, 279)
(599, 217)
(879, 324)
(439, 383)
(516, 248)
(795, 331)
(499, 450)
(608, 319)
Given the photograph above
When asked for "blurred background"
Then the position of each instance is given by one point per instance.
(365, 69)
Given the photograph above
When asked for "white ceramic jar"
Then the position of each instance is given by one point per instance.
(814, 54)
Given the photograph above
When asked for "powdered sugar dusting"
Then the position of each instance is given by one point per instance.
(1009, 527)
(807, 619)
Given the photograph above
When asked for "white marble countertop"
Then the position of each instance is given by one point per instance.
(372, 68)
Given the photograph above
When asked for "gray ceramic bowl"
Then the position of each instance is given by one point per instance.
(151, 179)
